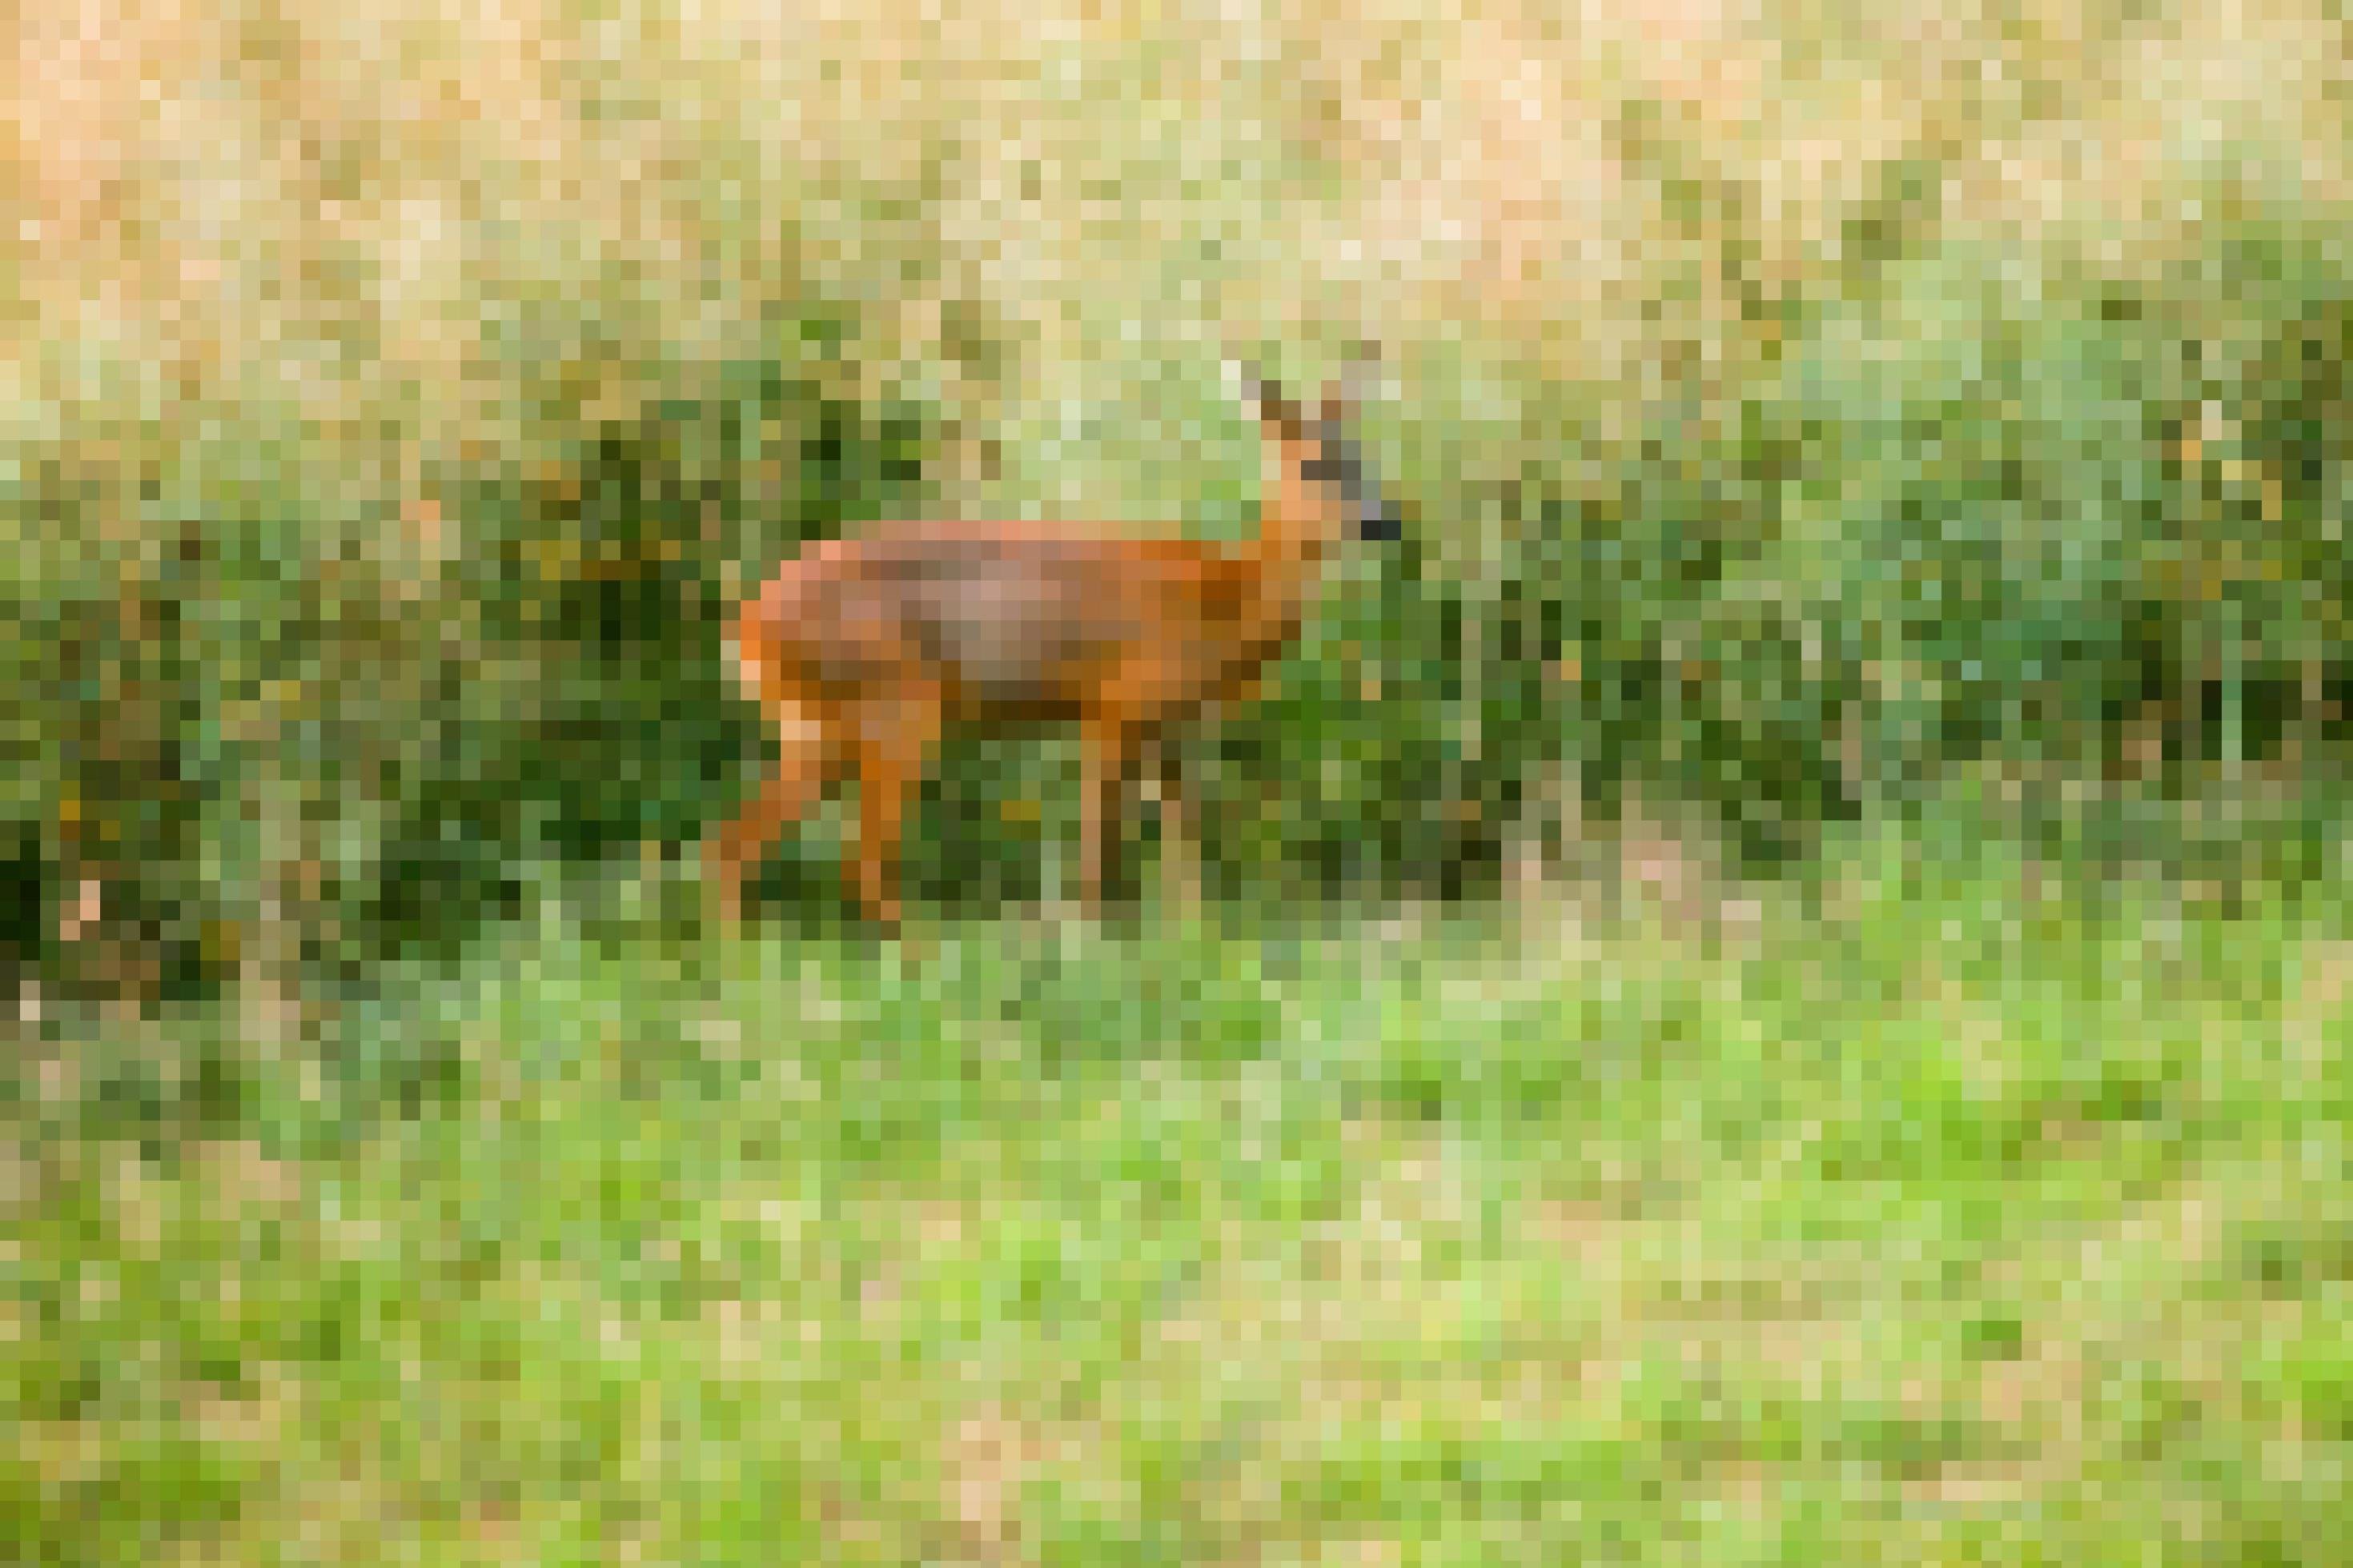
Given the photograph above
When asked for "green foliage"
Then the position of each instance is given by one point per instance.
(302, 743)
(1967, 519)
(1984, 511)
(598, 715)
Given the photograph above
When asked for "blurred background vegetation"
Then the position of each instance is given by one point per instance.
(1929, 414)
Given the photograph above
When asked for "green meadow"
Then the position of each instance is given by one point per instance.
(1953, 1226)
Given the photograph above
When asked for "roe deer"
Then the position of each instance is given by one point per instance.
(860, 650)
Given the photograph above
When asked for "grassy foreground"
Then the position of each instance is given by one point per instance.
(1947, 1227)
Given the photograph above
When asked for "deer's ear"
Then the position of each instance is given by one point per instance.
(1274, 408)
(1346, 392)
(1338, 406)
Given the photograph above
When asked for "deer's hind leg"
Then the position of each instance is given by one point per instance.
(807, 758)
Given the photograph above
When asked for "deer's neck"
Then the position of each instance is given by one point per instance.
(1280, 564)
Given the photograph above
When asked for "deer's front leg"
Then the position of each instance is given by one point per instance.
(1180, 843)
(1110, 758)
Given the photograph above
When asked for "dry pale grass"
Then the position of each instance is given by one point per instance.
(320, 215)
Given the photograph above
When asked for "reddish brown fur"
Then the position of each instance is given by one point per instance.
(860, 651)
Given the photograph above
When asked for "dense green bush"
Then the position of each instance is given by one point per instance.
(1983, 512)
(272, 736)
(608, 722)
(1982, 517)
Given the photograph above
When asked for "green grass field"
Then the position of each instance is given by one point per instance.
(1944, 1227)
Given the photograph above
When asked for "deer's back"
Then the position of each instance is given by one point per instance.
(996, 616)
